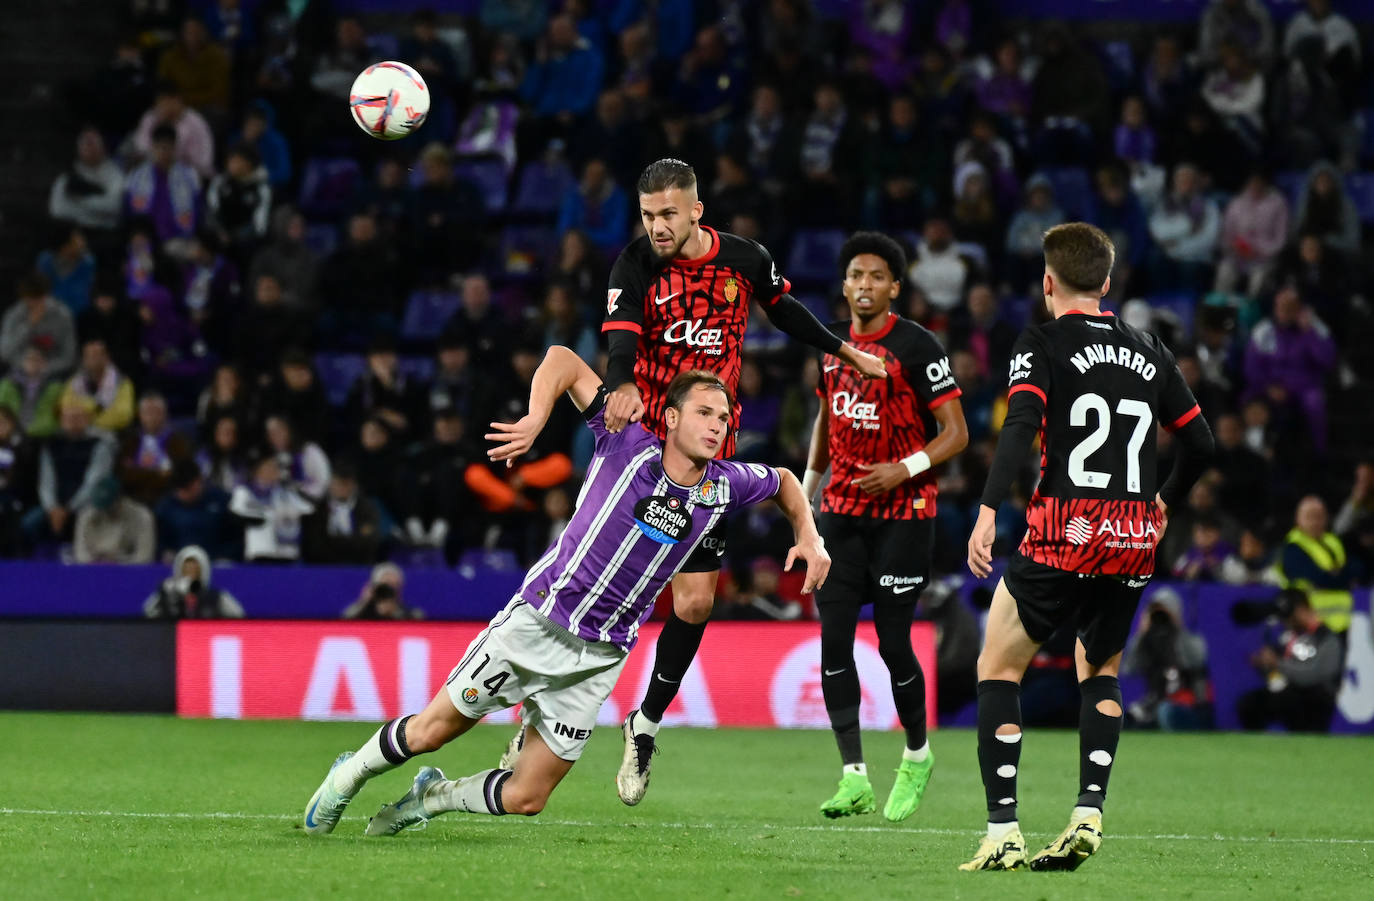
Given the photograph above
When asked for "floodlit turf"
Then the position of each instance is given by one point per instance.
(149, 807)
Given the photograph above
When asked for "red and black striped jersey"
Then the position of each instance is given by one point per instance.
(883, 420)
(1102, 386)
(689, 314)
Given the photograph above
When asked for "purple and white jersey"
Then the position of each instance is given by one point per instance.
(633, 529)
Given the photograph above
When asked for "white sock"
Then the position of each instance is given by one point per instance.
(642, 725)
(917, 755)
(998, 831)
(859, 768)
(1082, 813)
(473, 794)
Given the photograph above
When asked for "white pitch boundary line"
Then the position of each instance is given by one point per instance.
(759, 827)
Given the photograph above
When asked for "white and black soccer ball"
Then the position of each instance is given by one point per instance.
(389, 100)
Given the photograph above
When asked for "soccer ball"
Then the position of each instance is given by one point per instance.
(389, 100)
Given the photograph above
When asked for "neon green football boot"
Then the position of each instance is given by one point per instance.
(910, 787)
(855, 796)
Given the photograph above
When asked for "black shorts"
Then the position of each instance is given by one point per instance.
(706, 558)
(877, 561)
(1101, 607)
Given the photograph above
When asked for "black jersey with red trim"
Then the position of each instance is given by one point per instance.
(689, 314)
(1102, 387)
(884, 420)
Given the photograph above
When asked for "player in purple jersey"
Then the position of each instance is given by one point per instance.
(558, 647)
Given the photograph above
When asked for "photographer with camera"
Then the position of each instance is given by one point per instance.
(188, 592)
(1173, 661)
(1302, 670)
(381, 596)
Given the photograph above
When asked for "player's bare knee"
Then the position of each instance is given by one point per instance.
(1008, 730)
(1109, 708)
(693, 607)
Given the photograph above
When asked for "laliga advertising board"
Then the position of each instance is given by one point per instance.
(747, 674)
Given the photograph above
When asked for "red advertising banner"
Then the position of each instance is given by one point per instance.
(747, 674)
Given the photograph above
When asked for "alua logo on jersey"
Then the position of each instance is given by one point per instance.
(692, 333)
(663, 518)
(861, 414)
(1124, 533)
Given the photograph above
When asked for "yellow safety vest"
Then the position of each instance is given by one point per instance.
(1332, 605)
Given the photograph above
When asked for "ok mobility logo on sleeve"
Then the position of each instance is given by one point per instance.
(663, 519)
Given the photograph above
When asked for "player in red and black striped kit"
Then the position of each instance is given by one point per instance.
(1093, 389)
(880, 441)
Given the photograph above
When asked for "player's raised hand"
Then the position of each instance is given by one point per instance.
(513, 438)
(623, 406)
(980, 543)
(882, 477)
(811, 552)
(869, 366)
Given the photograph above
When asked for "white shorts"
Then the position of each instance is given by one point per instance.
(522, 657)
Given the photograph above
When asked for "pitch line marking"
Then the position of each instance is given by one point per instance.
(920, 830)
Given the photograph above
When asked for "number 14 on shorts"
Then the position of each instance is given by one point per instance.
(492, 683)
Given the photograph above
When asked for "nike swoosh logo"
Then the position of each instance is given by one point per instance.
(660, 678)
(836, 672)
(310, 815)
(907, 682)
(662, 300)
(902, 589)
(833, 367)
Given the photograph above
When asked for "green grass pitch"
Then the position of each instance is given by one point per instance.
(98, 806)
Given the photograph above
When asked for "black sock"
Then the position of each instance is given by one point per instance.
(1098, 736)
(677, 645)
(494, 783)
(999, 704)
(840, 678)
(893, 625)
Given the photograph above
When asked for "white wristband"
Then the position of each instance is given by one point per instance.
(810, 483)
(917, 463)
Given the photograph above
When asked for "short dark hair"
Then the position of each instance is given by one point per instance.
(1080, 254)
(878, 244)
(247, 152)
(164, 132)
(32, 284)
(185, 473)
(663, 174)
(683, 383)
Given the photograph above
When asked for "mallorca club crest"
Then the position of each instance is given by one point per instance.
(731, 290)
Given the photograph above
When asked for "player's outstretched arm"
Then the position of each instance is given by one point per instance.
(809, 547)
(818, 458)
(623, 404)
(794, 319)
(561, 371)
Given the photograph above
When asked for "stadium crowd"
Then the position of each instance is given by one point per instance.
(253, 329)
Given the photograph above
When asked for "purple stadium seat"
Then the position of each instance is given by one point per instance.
(540, 187)
(813, 255)
(489, 174)
(384, 45)
(337, 374)
(1073, 190)
(1361, 188)
(426, 314)
(322, 238)
(1180, 304)
(418, 368)
(328, 185)
(1290, 184)
(524, 249)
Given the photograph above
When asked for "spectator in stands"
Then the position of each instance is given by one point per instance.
(210, 286)
(1252, 564)
(100, 383)
(1203, 560)
(91, 193)
(358, 285)
(1173, 661)
(940, 270)
(1253, 233)
(1244, 24)
(1167, 81)
(192, 141)
(443, 70)
(562, 83)
(1314, 560)
(189, 593)
(1134, 140)
(909, 162)
(150, 450)
(265, 330)
(710, 81)
(381, 596)
(1069, 98)
(760, 414)
(194, 512)
(174, 347)
(304, 466)
(378, 458)
(270, 512)
(1288, 359)
(1326, 210)
(384, 392)
(1245, 477)
(584, 269)
(830, 149)
(18, 481)
(560, 324)
(1302, 672)
(1222, 159)
(1185, 226)
(198, 68)
(289, 260)
(1006, 91)
(611, 135)
(346, 527)
(597, 206)
(336, 70)
(1321, 276)
(1118, 212)
(114, 528)
(767, 140)
(226, 395)
(70, 465)
(113, 97)
(38, 320)
(1025, 256)
(222, 461)
(1339, 41)
(446, 213)
(31, 394)
(478, 324)
(1358, 505)
(458, 385)
(975, 213)
(433, 495)
(977, 328)
(524, 19)
(1234, 89)
(548, 524)
(983, 145)
(114, 319)
(1314, 101)
(759, 599)
(259, 131)
(295, 394)
(238, 201)
(164, 189)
